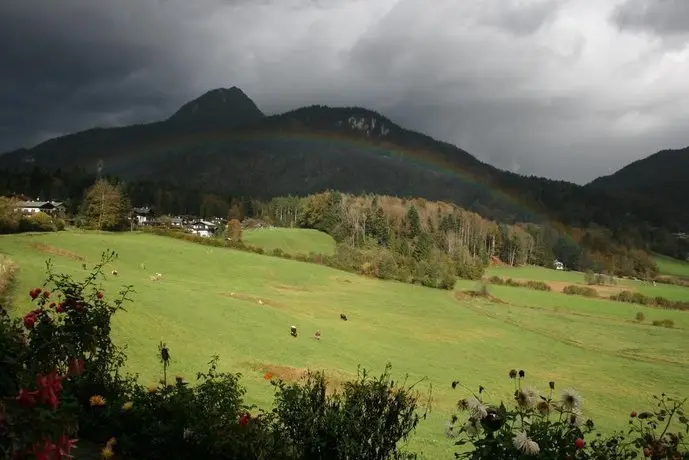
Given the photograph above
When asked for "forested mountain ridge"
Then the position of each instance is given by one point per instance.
(222, 142)
(659, 181)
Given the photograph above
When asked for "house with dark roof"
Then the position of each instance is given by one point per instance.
(143, 215)
(48, 207)
(203, 228)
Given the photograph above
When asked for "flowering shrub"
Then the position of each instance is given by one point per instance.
(551, 426)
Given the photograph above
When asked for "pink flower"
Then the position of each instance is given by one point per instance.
(99, 295)
(34, 292)
(65, 445)
(49, 386)
(76, 367)
(244, 419)
(29, 320)
(27, 398)
(46, 451)
(579, 443)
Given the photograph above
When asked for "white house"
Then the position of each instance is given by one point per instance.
(48, 207)
(143, 216)
(203, 228)
(557, 265)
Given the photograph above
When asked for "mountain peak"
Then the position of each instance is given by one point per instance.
(219, 107)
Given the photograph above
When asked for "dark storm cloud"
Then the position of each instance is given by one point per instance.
(67, 65)
(661, 17)
(564, 88)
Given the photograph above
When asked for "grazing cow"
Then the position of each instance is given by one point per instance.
(260, 302)
(317, 335)
(114, 272)
(343, 317)
(293, 331)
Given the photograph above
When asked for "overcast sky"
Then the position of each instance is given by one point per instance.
(566, 89)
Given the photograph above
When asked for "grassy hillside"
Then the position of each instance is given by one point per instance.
(290, 240)
(207, 302)
(672, 267)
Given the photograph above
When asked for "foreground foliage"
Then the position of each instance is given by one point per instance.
(545, 426)
(61, 381)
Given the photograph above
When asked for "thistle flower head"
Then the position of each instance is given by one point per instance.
(527, 398)
(477, 409)
(525, 444)
(570, 399)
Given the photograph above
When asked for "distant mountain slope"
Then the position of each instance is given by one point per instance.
(660, 181)
(214, 110)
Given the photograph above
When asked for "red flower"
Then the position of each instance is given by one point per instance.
(49, 386)
(244, 419)
(65, 445)
(579, 443)
(27, 398)
(29, 320)
(45, 452)
(46, 294)
(34, 292)
(633, 414)
(60, 307)
(647, 452)
(52, 305)
(99, 295)
(76, 367)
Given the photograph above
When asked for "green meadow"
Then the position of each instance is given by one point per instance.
(207, 302)
(290, 240)
(672, 267)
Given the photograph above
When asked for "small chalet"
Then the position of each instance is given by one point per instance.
(557, 265)
(202, 228)
(48, 207)
(143, 216)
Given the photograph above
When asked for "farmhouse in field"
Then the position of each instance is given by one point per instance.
(203, 228)
(557, 265)
(49, 207)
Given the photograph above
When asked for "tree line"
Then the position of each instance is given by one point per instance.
(416, 229)
(436, 231)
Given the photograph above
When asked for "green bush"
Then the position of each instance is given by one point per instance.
(580, 290)
(324, 425)
(538, 286)
(38, 222)
(664, 323)
(640, 317)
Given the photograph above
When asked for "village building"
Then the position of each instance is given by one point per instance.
(143, 215)
(53, 208)
(203, 228)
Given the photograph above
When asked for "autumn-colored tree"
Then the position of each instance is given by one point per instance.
(234, 230)
(105, 207)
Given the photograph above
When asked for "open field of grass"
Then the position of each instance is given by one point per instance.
(290, 240)
(559, 279)
(591, 345)
(672, 267)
